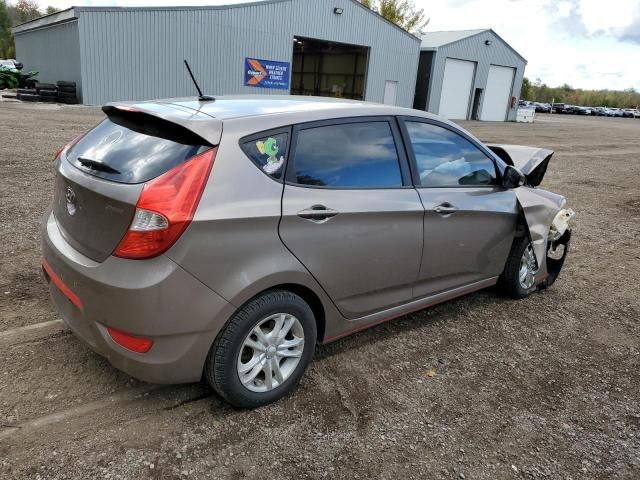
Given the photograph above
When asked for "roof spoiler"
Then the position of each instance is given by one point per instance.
(201, 124)
(531, 161)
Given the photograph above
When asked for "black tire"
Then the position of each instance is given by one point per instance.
(67, 89)
(66, 94)
(45, 86)
(509, 281)
(48, 93)
(29, 98)
(48, 99)
(68, 101)
(27, 91)
(65, 83)
(221, 366)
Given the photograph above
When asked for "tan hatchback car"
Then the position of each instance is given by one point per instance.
(226, 238)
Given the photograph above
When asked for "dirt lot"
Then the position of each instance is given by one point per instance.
(546, 387)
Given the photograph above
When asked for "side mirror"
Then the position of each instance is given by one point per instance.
(513, 178)
(19, 65)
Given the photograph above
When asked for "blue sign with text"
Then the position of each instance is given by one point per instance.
(266, 73)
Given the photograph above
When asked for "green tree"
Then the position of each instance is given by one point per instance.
(6, 38)
(540, 92)
(26, 10)
(403, 13)
(50, 10)
(525, 92)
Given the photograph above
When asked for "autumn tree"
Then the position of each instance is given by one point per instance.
(403, 13)
(540, 92)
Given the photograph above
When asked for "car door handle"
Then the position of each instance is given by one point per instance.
(317, 213)
(445, 209)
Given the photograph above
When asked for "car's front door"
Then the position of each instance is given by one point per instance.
(350, 214)
(470, 220)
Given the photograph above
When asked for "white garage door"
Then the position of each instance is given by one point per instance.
(497, 94)
(456, 88)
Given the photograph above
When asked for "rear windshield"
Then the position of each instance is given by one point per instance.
(134, 148)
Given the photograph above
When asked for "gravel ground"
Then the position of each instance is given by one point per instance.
(479, 388)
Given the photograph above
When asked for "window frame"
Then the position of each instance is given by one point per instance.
(263, 134)
(401, 151)
(415, 175)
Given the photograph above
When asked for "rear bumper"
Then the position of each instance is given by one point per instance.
(152, 298)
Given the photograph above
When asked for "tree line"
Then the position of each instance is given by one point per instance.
(14, 14)
(540, 92)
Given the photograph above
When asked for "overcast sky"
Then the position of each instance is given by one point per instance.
(585, 43)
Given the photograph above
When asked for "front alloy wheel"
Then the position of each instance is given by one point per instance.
(528, 268)
(518, 279)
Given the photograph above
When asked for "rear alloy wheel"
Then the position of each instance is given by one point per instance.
(263, 351)
(518, 279)
(271, 352)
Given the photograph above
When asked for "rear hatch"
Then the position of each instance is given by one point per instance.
(100, 177)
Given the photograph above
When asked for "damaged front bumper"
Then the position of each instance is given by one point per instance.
(558, 244)
(549, 225)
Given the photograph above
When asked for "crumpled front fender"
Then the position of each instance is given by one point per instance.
(540, 207)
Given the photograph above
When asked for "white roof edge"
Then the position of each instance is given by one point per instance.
(434, 40)
(62, 16)
(449, 38)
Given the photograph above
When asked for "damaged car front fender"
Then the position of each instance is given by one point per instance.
(547, 218)
(549, 224)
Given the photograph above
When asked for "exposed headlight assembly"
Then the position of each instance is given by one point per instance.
(562, 221)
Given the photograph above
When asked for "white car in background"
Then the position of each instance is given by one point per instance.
(11, 64)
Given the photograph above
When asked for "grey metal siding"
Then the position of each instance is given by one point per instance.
(54, 51)
(136, 54)
(474, 49)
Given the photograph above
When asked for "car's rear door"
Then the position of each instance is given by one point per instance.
(350, 213)
(470, 220)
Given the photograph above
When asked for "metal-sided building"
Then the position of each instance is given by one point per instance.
(310, 47)
(469, 74)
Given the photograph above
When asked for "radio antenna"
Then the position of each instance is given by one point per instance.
(201, 96)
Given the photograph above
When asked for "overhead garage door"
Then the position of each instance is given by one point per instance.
(497, 93)
(456, 88)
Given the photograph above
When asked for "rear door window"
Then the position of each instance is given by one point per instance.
(134, 148)
(347, 155)
(268, 152)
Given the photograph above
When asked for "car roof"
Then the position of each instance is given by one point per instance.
(259, 112)
(249, 112)
(239, 106)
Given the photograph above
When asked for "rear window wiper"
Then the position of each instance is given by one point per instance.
(96, 165)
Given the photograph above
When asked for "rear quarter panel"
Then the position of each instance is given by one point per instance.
(232, 245)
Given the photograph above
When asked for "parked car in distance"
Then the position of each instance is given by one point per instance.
(226, 238)
(526, 104)
(558, 107)
(542, 107)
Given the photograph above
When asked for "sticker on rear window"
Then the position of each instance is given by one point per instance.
(270, 148)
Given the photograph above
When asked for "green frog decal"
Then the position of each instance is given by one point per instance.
(270, 147)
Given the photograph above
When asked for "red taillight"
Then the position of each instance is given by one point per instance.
(130, 342)
(69, 145)
(165, 208)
